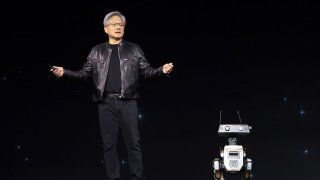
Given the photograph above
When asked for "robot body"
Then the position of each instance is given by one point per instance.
(233, 158)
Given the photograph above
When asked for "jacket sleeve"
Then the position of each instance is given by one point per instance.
(145, 68)
(83, 73)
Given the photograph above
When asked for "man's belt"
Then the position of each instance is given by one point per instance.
(114, 95)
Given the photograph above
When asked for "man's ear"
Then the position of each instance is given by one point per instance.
(105, 29)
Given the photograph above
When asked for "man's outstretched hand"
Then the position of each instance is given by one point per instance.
(167, 68)
(57, 71)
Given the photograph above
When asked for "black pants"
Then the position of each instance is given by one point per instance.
(123, 114)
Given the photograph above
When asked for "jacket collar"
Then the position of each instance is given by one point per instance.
(121, 44)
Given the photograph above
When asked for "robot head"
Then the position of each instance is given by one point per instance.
(233, 130)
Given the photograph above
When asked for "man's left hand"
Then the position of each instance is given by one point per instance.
(167, 68)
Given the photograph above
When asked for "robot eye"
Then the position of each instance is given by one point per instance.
(227, 128)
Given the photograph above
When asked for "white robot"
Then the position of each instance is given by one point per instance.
(233, 158)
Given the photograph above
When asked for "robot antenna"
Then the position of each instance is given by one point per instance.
(220, 117)
(239, 116)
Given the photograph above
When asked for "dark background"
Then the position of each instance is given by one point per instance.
(258, 58)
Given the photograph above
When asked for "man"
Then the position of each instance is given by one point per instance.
(115, 67)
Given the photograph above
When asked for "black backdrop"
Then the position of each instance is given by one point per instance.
(257, 58)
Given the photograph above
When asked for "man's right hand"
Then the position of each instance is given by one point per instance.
(57, 71)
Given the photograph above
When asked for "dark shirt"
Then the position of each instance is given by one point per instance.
(113, 83)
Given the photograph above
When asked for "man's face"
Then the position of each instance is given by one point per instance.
(115, 28)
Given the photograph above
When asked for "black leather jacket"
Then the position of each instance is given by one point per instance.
(132, 64)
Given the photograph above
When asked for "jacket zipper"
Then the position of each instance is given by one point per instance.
(120, 70)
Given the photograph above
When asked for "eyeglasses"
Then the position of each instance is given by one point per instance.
(115, 25)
